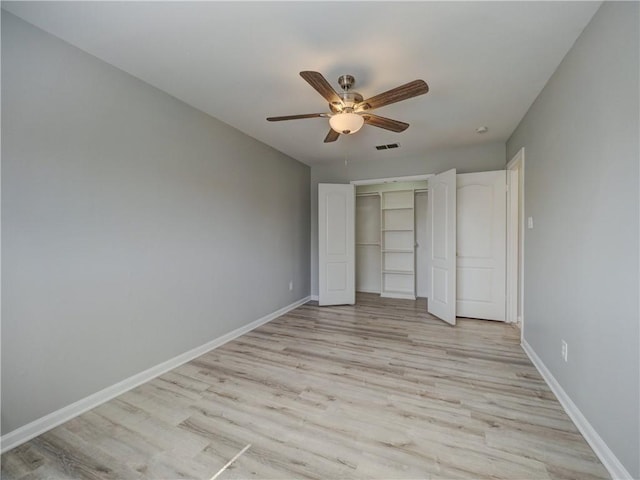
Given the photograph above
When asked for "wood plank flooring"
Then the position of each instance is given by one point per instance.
(377, 390)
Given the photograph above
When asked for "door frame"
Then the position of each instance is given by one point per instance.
(409, 178)
(515, 240)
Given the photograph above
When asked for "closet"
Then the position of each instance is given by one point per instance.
(368, 243)
(389, 237)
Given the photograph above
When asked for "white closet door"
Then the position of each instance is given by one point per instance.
(336, 244)
(481, 245)
(441, 220)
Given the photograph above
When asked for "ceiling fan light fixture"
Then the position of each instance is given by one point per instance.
(346, 122)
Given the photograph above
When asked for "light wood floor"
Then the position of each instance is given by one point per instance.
(376, 390)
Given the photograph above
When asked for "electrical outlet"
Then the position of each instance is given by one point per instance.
(565, 350)
(291, 286)
(530, 222)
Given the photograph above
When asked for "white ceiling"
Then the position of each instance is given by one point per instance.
(485, 62)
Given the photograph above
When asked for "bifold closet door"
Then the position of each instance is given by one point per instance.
(441, 222)
(336, 244)
(368, 243)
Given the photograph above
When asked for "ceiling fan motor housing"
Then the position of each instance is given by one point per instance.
(349, 99)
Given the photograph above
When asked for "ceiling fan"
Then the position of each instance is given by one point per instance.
(349, 112)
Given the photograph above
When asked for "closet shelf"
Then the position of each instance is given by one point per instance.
(368, 244)
(397, 229)
(397, 250)
(397, 208)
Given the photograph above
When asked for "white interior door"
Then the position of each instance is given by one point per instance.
(336, 243)
(422, 242)
(481, 245)
(441, 224)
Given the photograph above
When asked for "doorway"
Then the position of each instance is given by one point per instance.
(391, 237)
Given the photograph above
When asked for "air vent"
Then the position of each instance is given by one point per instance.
(388, 146)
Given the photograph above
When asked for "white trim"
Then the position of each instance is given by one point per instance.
(600, 448)
(367, 291)
(512, 247)
(517, 163)
(43, 424)
(404, 296)
(314, 298)
(517, 158)
(409, 178)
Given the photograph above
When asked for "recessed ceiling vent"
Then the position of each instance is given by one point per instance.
(388, 146)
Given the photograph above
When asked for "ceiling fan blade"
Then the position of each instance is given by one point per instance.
(320, 84)
(403, 92)
(296, 117)
(332, 136)
(383, 122)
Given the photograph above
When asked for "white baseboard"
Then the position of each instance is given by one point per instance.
(315, 298)
(604, 453)
(402, 296)
(362, 290)
(43, 424)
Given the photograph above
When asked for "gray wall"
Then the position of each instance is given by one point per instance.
(134, 227)
(466, 159)
(581, 259)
